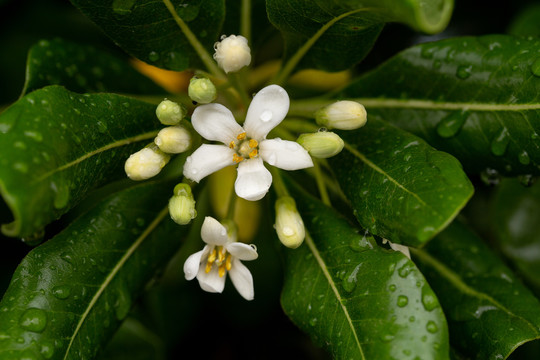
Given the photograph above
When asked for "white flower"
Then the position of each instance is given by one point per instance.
(246, 146)
(232, 53)
(222, 254)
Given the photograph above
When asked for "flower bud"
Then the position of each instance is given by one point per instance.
(170, 113)
(289, 225)
(232, 53)
(343, 115)
(182, 205)
(202, 90)
(146, 163)
(323, 144)
(173, 139)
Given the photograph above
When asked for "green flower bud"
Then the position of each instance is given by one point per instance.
(173, 139)
(146, 163)
(182, 205)
(322, 144)
(343, 115)
(170, 113)
(202, 90)
(289, 225)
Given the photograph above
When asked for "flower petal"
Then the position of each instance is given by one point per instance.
(267, 109)
(211, 281)
(242, 251)
(191, 266)
(286, 155)
(206, 160)
(212, 232)
(215, 122)
(242, 280)
(253, 179)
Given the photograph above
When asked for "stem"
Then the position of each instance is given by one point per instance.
(321, 184)
(232, 206)
(245, 22)
(277, 183)
(307, 108)
(300, 125)
(239, 86)
(299, 54)
(195, 43)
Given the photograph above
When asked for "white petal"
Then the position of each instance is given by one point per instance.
(215, 122)
(401, 248)
(267, 109)
(206, 160)
(212, 232)
(211, 281)
(242, 280)
(191, 266)
(286, 155)
(242, 251)
(253, 180)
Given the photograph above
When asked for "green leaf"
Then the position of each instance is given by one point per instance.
(356, 299)
(515, 222)
(147, 30)
(82, 68)
(70, 294)
(58, 145)
(488, 115)
(490, 313)
(527, 22)
(342, 31)
(399, 187)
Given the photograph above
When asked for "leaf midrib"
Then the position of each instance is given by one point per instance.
(114, 272)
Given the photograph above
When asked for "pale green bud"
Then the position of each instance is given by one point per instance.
(146, 163)
(182, 205)
(322, 144)
(289, 225)
(202, 90)
(170, 113)
(343, 115)
(173, 139)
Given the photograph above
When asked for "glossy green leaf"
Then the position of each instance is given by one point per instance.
(515, 223)
(69, 295)
(488, 114)
(147, 30)
(58, 145)
(82, 68)
(489, 312)
(527, 22)
(356, 299)
(399, 187)
(343, 32)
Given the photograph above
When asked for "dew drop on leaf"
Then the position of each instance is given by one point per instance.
(402, 301)
(451, 124)
(123, 7)
(500, 142)
(535, 68)
(34, 320)
(62, 291)
(432, 327)
(47, 349)
(463, 72)
(524, 158)
(428, 299)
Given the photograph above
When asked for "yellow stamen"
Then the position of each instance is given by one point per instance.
(221, 256)
(208, 267)
(253, 143)
(228, 264)
(253, 153)
(237, 158)
(212, 256)
(232, 144)
(241, 136)
(221, 270)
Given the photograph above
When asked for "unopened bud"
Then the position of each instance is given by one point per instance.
(146, 163)
(170, 113)
(289, 225)
(182, 205)
(202, 90)
(173, 139)
(232, 53)
(343, 115)
(322, 144)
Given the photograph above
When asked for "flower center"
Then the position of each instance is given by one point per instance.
(221, 258)
(245, 148)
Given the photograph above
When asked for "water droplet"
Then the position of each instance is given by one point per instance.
(122, 7)
(102, 127)
(34, 320)
(363, 243)
(431, 327)
(266, 116)
(61, 195)
(404, 271)
(47, 349)
(412, 318)
(34, 135)
(287, 231)
(392, 287)
(500, 142)
(463, 72)
(140, 221)
(387, 337)
(490, 177)
(19, 145)
(428, 51)
(22, 167)
(428, 299)
(402, 301)
(526, 180)
(322, 129)
(313, 321)
(122, 304)
(451, 124)
(187, 12)
(524, 158)
(62, 291)
(535, 67)
(153, 56)
(349, 280)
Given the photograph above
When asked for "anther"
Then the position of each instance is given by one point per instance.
(221, 270)
(241, 136)
(232, 144)
(228, 263)
(212, 257)
(253, 143)
(237, 158)
(221, 256)
(253, 153)
(208, 267)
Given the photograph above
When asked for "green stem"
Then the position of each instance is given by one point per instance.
(321, 184)
(298, 125)
(232, 205)
(195, 43)
(307, 108)
(277, 182)
(239, 86)
(245, 22)
(286, 71)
